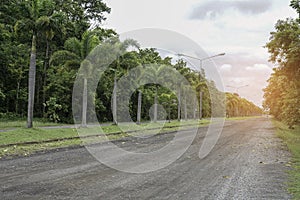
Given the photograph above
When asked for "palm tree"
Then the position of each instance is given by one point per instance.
(157, 74)
(74, 54)
(117, 72)
(40, 14)
(181, 67)
(139, 109)
(231, 105)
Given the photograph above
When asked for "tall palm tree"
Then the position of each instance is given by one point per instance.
(157, 74)
(40, 15)
(232, 104)
(139, 108)
(117, 72)
(74, 54)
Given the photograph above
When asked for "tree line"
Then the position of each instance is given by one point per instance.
(237, 106)
(282, 95)
(43, 45)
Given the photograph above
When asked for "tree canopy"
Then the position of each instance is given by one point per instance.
(282, 95)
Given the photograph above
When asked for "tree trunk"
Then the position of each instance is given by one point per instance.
(17, 97)
(139, 108)
(179, 105)
(195, 107)
(237, 111)
(114, 106)
(169, 112)
(31, 82)
(185, 109)
(84, 104)
(45, 76)
(201, 106)
(155, 107)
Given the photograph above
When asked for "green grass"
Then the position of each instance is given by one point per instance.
(21, 123)
(35, 134)
(291, 138)
(25, 150)
(21, 135)
(242, 118)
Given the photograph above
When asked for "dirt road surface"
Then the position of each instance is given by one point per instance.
(248, 162)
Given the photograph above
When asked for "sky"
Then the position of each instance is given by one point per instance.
(240, 28)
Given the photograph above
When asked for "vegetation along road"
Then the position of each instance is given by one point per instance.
(248, 162)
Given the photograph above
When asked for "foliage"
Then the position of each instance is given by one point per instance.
(282, 95)
(52, 109)
(240, 107)
(53, 22)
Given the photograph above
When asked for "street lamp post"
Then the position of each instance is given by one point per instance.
(237, 88)
(201, 66)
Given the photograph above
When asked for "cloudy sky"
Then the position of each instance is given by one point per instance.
(240, 28)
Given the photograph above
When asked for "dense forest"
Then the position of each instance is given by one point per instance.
(44, 42)
(282, 95)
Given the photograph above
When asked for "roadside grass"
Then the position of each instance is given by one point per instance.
(35, 134)
(26, 150)
(67, 137)
(291, 138)
(242, 118)
(21, 123)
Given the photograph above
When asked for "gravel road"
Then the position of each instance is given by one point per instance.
(248, 162)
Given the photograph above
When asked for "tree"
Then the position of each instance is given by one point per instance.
(296, 5)
(240, 107)
(72, 58)
(282, 93)
(123, 46)
(50, 26)
(39, 16)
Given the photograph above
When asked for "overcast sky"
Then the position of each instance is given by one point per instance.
(240, 28)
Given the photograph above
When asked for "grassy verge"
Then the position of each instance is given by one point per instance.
(67, 137)
(21, 123)
(292, 139)
(242, 118)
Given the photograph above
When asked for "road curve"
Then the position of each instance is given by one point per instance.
(248, 162)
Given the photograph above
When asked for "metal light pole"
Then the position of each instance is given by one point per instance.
(237, 88)
(201, 64)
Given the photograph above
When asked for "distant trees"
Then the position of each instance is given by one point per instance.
(282, 95)
(240, 107)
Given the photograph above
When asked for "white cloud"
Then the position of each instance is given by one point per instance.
(226, 68)
(259, 68)
(215, 8)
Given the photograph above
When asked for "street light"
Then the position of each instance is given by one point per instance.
(201, 60)
(237, 88)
